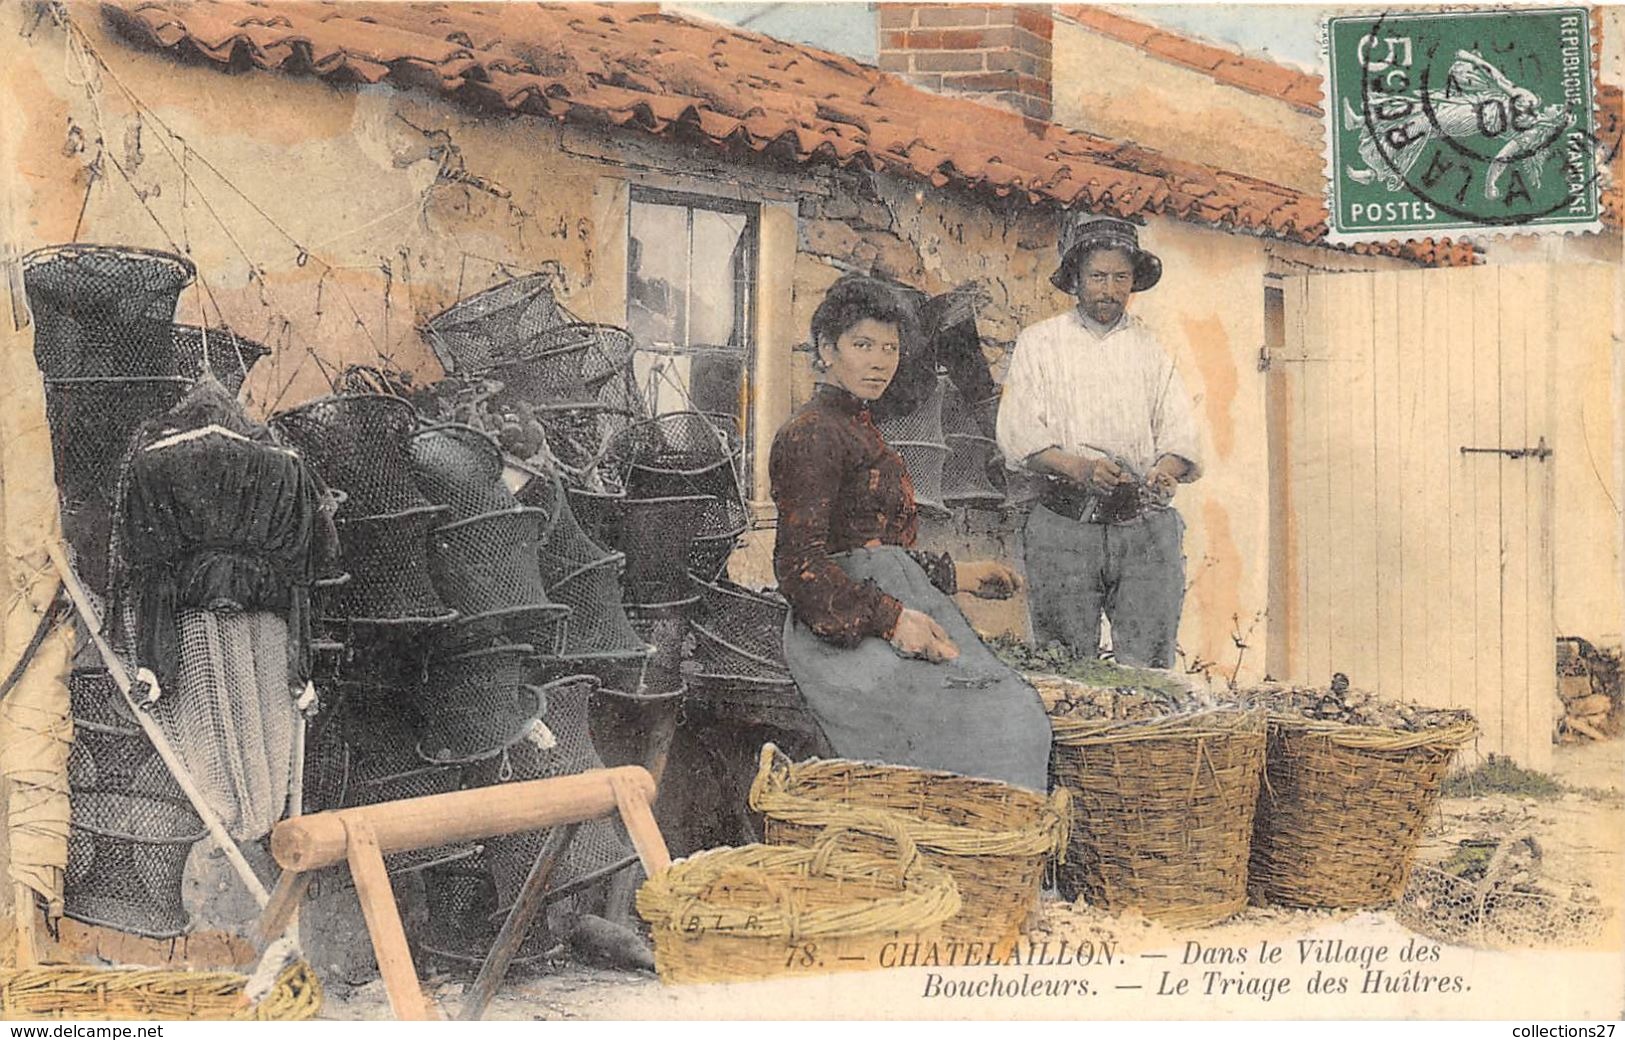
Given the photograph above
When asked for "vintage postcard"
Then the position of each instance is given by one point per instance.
(815, 511)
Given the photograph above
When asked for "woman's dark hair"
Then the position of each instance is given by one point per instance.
(855, 298)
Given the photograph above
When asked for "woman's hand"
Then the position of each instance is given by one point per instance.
(917, 635)
(988, 579)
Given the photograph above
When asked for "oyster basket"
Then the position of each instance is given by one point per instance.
(474, 333)
(387, 558)
(919, 439)
(1162, 811)
(1343, 809)
(739, 637)
(759, 901)
(230, 357)
(104, 310)
(460, 467)
(992, 838)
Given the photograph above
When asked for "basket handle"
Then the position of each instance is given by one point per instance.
(772, 774)
(827, 843)
(1059, 808)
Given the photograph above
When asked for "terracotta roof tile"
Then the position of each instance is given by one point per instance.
(627, 65)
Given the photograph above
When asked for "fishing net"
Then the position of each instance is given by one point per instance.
(231, 716)
(475, 704)
(564, 366)
(917, 436)
(387, 558)
(230, 356)
(488, 563)
(657, 674)
(721, 523)
(108, 746)
(1492, 895)
(965, 480)
(126, 858)
(92, 421)
(950, 323)
(358, 443)
(597, 845)
(598, 513)
(739, 637)
(103, 311)
(461, 467)
(474, 333)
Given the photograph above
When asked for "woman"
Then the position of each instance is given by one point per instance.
(888, 665)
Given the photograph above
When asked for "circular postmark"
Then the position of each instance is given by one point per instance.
(1480, 116)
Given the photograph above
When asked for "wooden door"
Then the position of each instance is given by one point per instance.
(1420, 570)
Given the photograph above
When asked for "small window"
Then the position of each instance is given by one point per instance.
(690, 290)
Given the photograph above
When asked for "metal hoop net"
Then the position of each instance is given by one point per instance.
(678, 453)
(657, 536)
(582, 575)
(488, 563)
(104, 311)
(918, 438)
(965, 480)
(721, 523)
(358, 443)
(739, 637)
(387, 558)
(567, 365)
(461, 467)
(476, 332)
(230, 356)
(475, 704)
(126, 858)
(109, 747)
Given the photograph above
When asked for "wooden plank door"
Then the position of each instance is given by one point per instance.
(1421, 571)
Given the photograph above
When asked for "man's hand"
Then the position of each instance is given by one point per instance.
(1104, 474)
(917, 635)
(987, 579)
(1098, 474)
(1163, 480)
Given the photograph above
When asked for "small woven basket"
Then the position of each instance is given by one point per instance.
(994, 839)
(1162, 812)
(763, 911)
(1343, 809)
(499, 322)
(72, 992)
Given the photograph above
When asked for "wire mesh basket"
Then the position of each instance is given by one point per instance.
(359, 444)
(657, 536)
(104, 310)
(92, 419)
(137, 847)
(483, 724)
(582, 575)
(722, 522)
(460, 467)
(387, 558)
(577, 436)
(230, 357)
(918, 438)
(564, 366)
(384, 767)
(489, 562)
(678, 453)
(597, 513)
(476, 332)
(656, 674)
(971, 454)
(739, 637)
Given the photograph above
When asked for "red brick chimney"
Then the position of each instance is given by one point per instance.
(998, 52)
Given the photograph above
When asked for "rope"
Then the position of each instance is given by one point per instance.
(47, 621)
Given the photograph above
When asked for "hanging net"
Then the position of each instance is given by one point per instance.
(460, 467)
(739, 637)
(387, 558)
(104, 311)
(564, 366)
(108, 746)
(971, 455)
(231, 717)
(230, 356)
(597, 845)
(949, 321)
(679, 453)
(500, 322)
(126, 858)
(358, 443)
(918, 438)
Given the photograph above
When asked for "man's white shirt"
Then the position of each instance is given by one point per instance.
(1093, 391)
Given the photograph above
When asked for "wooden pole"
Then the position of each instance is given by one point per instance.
(318, 840)
(177, 768)
(395, 966)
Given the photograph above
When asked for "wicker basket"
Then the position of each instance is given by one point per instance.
(762, 911)
(994, 839)
(1162, 811)
(69, 992)
(1343, 809)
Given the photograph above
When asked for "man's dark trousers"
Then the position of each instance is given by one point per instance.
(1133, 572)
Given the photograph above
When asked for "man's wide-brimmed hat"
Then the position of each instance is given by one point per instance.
(1081, 232)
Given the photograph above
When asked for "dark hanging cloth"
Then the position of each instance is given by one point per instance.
(217, 522)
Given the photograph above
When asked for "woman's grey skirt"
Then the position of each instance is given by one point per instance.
(973, 715)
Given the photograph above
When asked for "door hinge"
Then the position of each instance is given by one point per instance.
(1540, 452)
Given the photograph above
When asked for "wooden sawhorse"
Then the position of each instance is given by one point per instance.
(364, 834)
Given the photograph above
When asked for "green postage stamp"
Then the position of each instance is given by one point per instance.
(1461, 123)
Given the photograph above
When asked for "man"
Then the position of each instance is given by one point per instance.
(1093, 405)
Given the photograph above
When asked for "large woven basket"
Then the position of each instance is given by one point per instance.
(761, 911)
(1343, 809)
(1162, 811)
(993, 838)
(70, 992)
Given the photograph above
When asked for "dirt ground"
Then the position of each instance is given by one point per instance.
(1581, 833)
